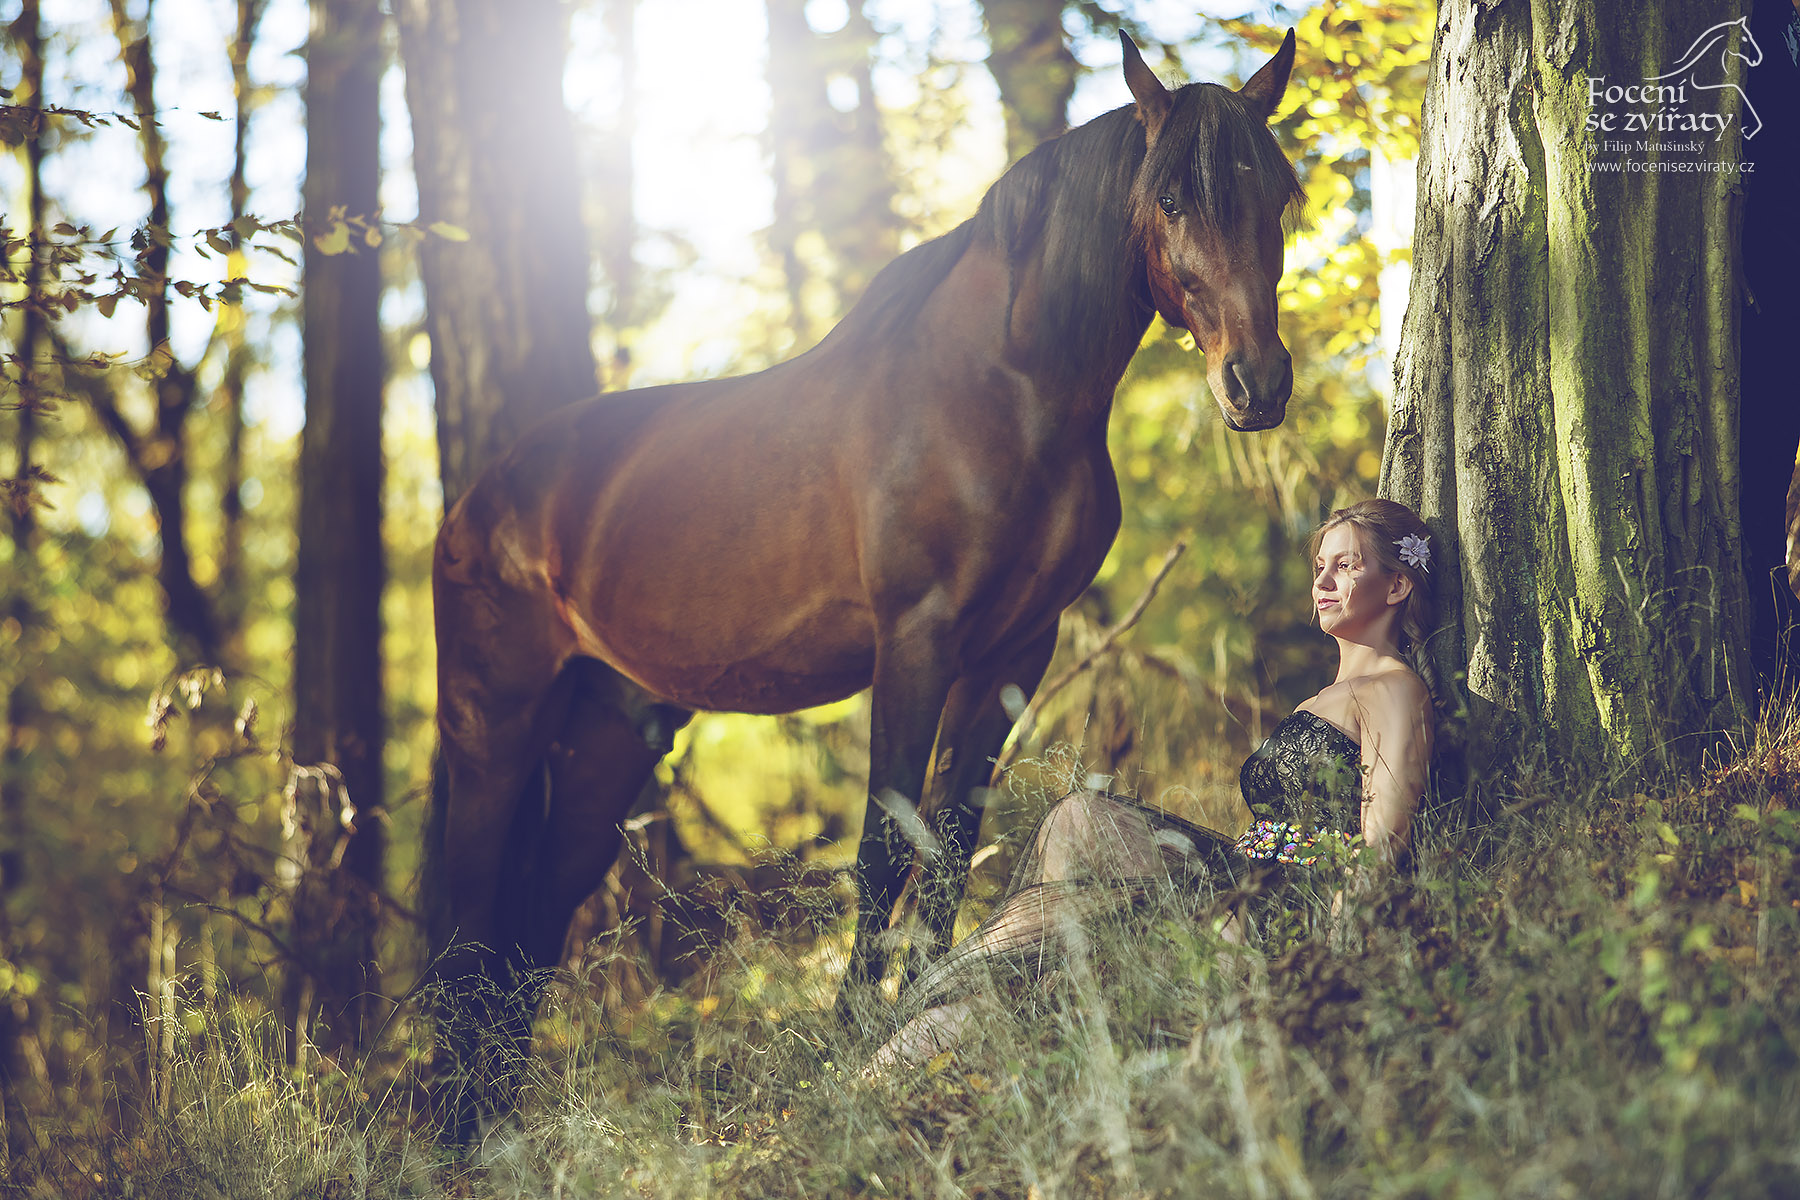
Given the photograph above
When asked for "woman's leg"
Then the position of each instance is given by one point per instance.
(1090, 854)
(1091, 836)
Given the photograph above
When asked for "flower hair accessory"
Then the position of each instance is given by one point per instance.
(1415, 550)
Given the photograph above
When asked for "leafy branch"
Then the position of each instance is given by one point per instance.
(21, 123)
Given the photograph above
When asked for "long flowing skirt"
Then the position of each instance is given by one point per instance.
(1093, 858)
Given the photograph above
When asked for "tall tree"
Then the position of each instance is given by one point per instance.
(614, 215)
(228, 399)
(493, 152)
(159, 454)
(338, 573)
(1030, 60)
(19, 615)
(1567, 385)
(832, 175)
(505, 273)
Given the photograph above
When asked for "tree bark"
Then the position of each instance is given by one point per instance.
(493, 152)
(1030, 60)
(338, 572)
(1567, 385)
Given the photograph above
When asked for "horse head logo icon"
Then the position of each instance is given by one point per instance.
(1719, 39)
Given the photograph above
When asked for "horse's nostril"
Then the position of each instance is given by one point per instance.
(1243, 381)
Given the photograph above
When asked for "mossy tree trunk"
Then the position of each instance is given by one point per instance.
(1567, 384)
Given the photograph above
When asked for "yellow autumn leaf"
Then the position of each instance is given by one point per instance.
(335, 240)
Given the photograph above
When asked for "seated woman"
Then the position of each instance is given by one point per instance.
(1353, 759)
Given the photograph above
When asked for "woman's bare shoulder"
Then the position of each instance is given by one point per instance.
(1390, 699)
(1400, 687)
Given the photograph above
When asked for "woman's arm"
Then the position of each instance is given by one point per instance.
(1394, 712)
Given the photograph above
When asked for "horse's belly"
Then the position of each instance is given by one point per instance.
(724, 668)
(755, 689)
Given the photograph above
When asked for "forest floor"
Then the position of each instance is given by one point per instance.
(1590, 994)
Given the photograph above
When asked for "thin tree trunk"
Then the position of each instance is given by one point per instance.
(796, 95)
(1566, 388)
(872, 228)
(493, 152)
(338, 572)
(229, 399)
(616, 222)
(160, 456)
(22, 616)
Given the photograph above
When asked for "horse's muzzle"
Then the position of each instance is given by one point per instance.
(1253, 391)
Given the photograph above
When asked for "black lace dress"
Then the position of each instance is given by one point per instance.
(1095, 854)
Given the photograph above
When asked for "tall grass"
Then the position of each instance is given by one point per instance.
(1592, 997)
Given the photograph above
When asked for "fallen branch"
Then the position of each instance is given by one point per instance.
(1027, 720)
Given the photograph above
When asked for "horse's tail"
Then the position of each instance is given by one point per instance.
(434, 886)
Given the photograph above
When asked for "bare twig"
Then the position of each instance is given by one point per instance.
(101, 400)
(1022, 728)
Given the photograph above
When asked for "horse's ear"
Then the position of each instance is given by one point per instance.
(1263, 92)
(1152, 97)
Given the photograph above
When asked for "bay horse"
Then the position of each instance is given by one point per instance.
(909, 505)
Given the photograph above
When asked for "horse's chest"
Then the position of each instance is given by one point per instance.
(1055, 549)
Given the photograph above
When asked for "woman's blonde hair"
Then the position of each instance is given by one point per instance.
(1382, 527)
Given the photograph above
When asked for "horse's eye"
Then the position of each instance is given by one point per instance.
(1168, 205)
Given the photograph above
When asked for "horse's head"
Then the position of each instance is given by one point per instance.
(1208, 206)
(1745, 39)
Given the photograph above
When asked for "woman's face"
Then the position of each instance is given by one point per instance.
(1350, 590)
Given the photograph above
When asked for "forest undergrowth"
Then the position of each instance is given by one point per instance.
(1590, 993)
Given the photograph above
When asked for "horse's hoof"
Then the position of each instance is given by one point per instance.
(859, 1012)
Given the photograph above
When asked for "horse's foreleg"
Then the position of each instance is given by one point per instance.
(497, 712)
(974, 728)
(911, 683)
(494, 814)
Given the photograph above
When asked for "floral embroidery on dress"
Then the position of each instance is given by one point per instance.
(1286, 842)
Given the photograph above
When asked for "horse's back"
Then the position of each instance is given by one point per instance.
(698, 538)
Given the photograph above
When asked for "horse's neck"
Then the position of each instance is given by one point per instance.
(1082, 369)
(1070, 387)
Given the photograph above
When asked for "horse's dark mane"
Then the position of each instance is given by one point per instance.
(901, 288)
(1070, 201)
(1077, 199)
